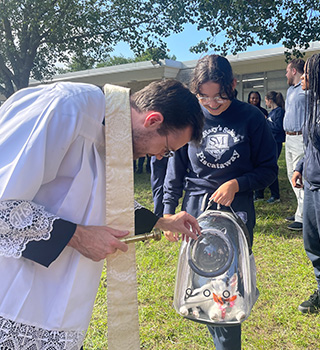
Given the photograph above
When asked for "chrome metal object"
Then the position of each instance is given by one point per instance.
(155, 234)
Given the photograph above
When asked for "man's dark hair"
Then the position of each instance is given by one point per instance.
(179, 107)
(216, 69)
(298, 64)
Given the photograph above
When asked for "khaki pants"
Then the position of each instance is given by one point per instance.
(294, 152)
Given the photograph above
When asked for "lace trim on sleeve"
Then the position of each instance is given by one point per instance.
(22, 222)
(14, 335)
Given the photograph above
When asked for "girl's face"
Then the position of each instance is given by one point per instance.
(254, 99)
(268, 103)
(211, 100)
(304, 78)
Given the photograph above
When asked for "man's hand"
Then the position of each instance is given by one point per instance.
(182, 222)
(171, 236)
(297, 180)
(96, 242)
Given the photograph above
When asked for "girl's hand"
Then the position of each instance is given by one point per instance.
(180, 223)
(224, 195)
(171, 236)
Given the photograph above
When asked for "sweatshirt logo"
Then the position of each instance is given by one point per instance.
(217, 141)
(217, 145)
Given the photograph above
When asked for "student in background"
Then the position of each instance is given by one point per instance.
(309, 168)
(292, 124)
(158, 173)
(274, 101)
(254, 98)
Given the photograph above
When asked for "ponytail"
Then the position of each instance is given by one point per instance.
(276, 97)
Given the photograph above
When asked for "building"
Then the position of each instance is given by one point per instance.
(261, 70)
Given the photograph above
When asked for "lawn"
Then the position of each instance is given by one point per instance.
(284, 274)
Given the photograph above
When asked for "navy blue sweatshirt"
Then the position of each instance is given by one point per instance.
(275, 121)
(237, 144)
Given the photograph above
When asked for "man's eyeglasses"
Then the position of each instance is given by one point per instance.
(168, 153)
(205, 100)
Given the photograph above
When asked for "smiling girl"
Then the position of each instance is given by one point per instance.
(236, 156)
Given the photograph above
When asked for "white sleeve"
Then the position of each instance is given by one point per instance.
(37, 127)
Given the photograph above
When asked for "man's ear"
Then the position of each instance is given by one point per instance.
(153, 120)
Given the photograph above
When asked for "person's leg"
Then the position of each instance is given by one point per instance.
(311, 229)
(274, 187)
(294, 152)
(148, 166)
(140, 165)
(311, 239)
(226, 338)
(258, 194)
(158, 173)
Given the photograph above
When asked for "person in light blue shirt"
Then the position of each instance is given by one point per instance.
(292, 125)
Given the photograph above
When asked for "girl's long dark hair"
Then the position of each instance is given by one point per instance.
(312, 78)
(216, 69)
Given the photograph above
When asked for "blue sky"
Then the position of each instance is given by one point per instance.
(179, 44)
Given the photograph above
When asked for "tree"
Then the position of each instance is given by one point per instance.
(154, 54)
(115, 61)
(294, 23)
(80, 62)
(83, 62)
(34, 34)
(151, 54)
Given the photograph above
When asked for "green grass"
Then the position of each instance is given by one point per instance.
(285, 279)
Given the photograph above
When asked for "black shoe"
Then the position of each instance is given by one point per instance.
(258, 199)
(312, 305)
(295, 226)
(290, 218)
(273, 200)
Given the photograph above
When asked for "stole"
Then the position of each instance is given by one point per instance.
(122, 303)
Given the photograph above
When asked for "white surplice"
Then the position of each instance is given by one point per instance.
(52, 153)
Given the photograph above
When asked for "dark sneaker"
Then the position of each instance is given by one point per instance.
(295, 226)
(312, 305)
(290, 218)
(272, 200)
(258, 199)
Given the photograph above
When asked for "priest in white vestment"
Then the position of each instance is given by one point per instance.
(52, 203)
